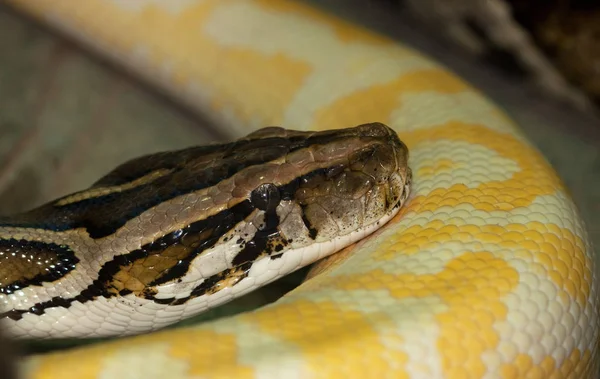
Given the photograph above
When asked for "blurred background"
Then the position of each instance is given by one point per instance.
(67, 116)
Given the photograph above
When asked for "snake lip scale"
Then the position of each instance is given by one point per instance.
(169, 235)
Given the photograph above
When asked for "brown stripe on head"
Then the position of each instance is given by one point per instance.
(98, 191)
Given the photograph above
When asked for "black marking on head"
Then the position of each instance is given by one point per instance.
(60, 260)
(210, 285)
(218, 225)
(312, 231)
(262, 243)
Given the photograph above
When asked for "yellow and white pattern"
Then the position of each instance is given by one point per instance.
(486, 274)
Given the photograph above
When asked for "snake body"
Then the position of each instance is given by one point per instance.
(487, 272)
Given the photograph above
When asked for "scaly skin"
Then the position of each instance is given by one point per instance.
(487, 273)
(167, 236)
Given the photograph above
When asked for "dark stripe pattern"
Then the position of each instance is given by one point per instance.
(31, 263)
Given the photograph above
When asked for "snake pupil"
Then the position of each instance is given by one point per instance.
(266, 197)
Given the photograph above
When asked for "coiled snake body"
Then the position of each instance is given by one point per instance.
(486, 273)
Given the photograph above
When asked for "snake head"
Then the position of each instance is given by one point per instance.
(353, 178)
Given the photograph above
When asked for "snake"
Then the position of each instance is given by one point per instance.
(484, 271)
(167, 236)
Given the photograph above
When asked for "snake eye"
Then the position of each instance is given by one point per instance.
(266, 197)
